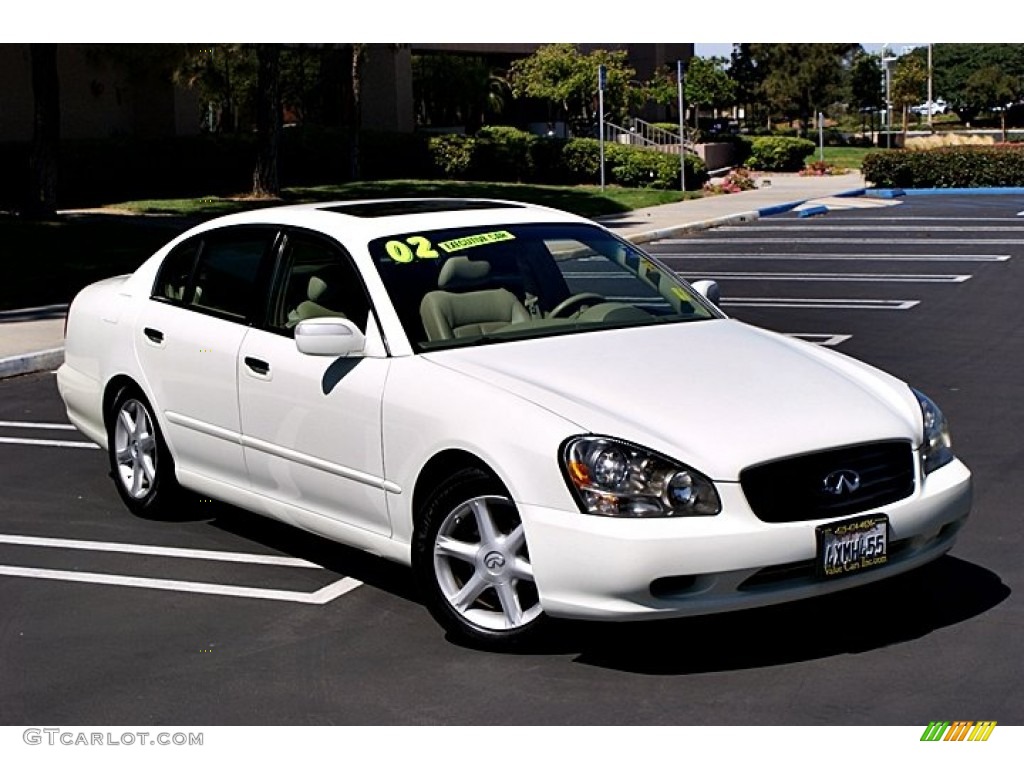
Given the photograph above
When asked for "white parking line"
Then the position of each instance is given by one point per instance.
(319, 597)
(971, 257)
(851, 277)
(823, 339)
(788, 303)
(55, 443)
(887, 241)
(867, 228)
(37, 425)
(147, 549)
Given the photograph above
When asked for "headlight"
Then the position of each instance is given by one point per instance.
(936, 446)
(617, 479)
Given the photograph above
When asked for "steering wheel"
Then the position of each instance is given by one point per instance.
(577, 300)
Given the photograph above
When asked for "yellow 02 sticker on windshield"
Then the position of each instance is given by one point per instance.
(472, 241)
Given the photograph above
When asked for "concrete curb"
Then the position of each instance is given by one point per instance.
(693, 226)
(33, 362)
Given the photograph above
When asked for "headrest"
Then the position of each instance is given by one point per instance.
(322, 284)
(460, 271)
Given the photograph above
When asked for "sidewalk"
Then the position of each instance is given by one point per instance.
(33, 339)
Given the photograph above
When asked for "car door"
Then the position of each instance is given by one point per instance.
(187, 341)
(311, 424)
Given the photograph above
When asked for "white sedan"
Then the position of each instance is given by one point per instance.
(536, 415)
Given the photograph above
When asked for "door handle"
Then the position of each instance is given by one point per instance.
(258, 366)
(157, 337)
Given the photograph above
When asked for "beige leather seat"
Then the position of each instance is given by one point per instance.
(450, 315)
(322, 297)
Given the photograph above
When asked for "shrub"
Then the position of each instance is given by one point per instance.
(1001, 165)
(778, 153)
(452, 154)
(504, 153)
(737, 180)
(821, 168)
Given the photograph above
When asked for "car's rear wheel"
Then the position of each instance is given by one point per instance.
(473, 563)
(141, 465)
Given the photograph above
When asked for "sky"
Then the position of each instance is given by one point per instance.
(539, 21)
(706, 50)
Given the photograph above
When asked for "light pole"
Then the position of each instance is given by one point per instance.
(887, 61)
(931, 104)
(680, 72)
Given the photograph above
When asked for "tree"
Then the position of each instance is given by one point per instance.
(265, 180)
(800, 79)
(867, 93)
(560, 73)
(706, 83)
(990, 88)
(45, 130)
(955, 63)
(908, 82)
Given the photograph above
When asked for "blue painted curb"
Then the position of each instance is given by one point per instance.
(773, 210)
(814, 210)
(947, 191)
(859, 192)
(968, 191)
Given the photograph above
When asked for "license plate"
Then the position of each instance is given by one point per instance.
(852, 546)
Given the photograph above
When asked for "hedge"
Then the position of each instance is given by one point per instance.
(778, 153)
(1000, 165)
(100, 171)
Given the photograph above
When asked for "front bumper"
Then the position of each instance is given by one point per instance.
(591, 567)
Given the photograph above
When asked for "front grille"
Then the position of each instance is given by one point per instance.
(794, 489)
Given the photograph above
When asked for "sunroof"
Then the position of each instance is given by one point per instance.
(377, 208)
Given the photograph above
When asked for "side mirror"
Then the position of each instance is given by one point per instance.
(329, 336)
(709, 290)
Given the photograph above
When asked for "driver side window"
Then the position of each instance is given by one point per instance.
(317, 281)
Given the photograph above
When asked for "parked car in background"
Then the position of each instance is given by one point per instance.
(937, 107)
(539, 417)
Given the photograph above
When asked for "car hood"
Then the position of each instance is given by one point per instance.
(717, 395)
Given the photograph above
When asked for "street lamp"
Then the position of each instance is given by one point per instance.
(887, 61)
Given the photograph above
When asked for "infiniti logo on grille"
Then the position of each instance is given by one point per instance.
(841, 481)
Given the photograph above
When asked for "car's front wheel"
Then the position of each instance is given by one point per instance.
(140, 463)
(473, 564)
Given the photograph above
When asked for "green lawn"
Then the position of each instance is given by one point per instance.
(48, 262)
(584, 200)
(844, 157)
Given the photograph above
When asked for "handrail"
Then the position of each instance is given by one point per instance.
(647, 136)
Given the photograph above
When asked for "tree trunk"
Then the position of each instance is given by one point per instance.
(265, 182)
(45, 131)
(358, 53)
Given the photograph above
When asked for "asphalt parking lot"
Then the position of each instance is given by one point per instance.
(219, 617)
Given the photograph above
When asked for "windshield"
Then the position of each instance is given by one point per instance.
(477, 285)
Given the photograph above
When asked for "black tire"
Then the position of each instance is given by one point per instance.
(478, 586)
(140, 464)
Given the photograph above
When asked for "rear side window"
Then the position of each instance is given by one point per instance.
(227, 272)
(217, 272)
(176, 273)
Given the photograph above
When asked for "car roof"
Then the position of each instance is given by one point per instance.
(369, 219)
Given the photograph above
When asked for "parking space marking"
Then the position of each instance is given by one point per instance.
(822, 339)
(48, 425)
(37, 425)
(790, 303)
(862, 228)
(986, 241)
(55, 443)
(148, 549)
(840, 277)
(971, 257)
(319, 597)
